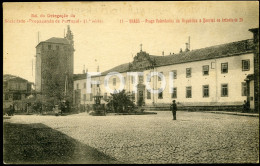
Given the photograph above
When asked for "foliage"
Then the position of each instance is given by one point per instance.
(120, 102)
(40, 103)
(140, 101)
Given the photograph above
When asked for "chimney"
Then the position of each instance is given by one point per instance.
(170, 53)
(163, 53)
(181, 50)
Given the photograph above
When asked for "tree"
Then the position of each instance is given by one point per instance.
(121, 102)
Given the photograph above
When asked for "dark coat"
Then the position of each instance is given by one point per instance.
(173, 107)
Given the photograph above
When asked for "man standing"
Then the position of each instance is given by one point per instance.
(246, 106)
(174, 109)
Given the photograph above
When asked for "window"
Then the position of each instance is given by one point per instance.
(85, 97)
(160, 95)
(57, 47)
(224, 67)
(141, 78)
(174, 92)
(49, 47)
(224, 90)
(159, 78)
(84, 85)
(244, 89)
(205, 70)
(205, 91)
(213, 65)
(97, 85)
(105, 96)
(77, 85)
(91, 96)
(133, 95)
(188, 72)
(106, 82)
(174, 74)
(6, 97)
(133, 79)
(188, 92)
(16, 96)
(245, 65)
(148, 94)
(148, 78)
(114, 81)
(91, 85)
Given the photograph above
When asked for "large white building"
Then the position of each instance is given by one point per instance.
(212, 76)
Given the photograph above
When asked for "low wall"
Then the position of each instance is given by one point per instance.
(237, 108)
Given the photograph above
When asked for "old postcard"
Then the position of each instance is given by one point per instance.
(130, 82)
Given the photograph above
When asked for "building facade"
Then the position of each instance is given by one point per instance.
(54, 67)
(254, 96)
(208, 77)
(15, 90)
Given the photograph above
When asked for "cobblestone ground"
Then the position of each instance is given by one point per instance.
(195, 137)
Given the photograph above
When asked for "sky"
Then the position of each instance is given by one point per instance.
(110, 43)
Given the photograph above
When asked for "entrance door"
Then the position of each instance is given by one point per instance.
(140, 97)
(140, 94)
(251, 94)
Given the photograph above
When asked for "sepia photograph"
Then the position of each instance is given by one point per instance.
(137, 82)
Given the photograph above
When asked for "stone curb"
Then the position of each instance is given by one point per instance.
(233, 113)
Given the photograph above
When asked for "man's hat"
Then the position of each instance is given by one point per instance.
(173, 101)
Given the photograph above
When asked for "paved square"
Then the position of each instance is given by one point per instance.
(195, 137)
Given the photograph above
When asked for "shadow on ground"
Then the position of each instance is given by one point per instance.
(40, 144)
